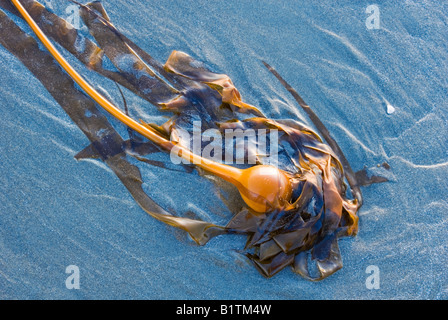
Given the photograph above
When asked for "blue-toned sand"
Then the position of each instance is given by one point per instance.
(381, 92)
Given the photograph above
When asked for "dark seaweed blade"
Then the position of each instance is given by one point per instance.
(71, 40)
(201, 90)
(184, 65)
(280, 221)
(97, 10)
(92, 56)
(77, 105)
(311, 223)
(326, 257)
(349, 174)
(129, 64)
(271, 267)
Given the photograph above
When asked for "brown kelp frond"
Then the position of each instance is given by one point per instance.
(324, 132)
(126, 60)
(295, 211)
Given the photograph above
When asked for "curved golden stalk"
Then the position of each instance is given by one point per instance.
(262, 187)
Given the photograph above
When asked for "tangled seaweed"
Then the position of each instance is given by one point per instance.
(294, 230)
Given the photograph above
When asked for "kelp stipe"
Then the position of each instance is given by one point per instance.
(300, 211)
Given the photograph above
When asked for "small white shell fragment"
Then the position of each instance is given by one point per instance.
(390, 109)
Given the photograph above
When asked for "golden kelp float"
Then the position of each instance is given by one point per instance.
(295, 210)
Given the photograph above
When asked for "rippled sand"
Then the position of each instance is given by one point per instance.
(56, 212)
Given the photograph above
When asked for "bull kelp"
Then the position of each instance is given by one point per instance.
(295, 209)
